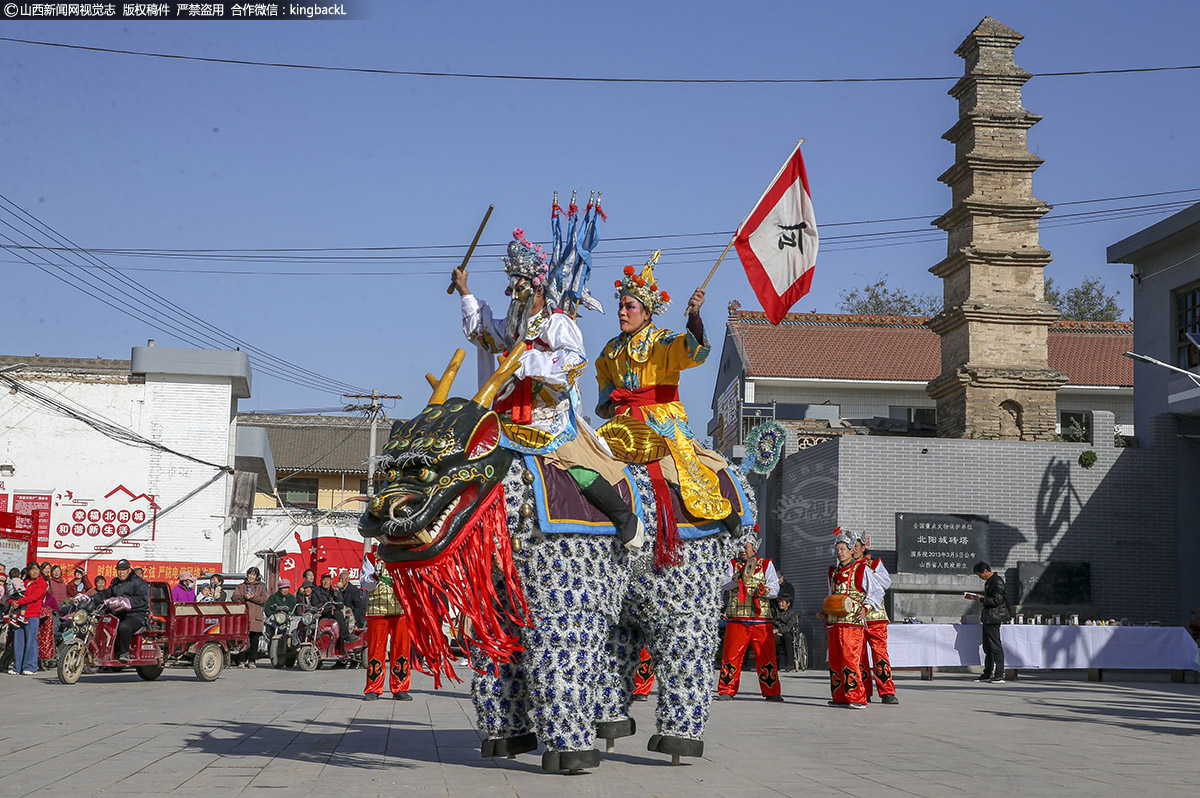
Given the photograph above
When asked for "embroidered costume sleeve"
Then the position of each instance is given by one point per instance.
(562, 360)
(480, 326)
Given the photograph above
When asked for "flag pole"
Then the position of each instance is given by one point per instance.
(735, 234)
(723, 254)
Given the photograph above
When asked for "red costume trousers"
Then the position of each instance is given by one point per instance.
(738, 636)
(643, 677)
(846, 644)
(881, 674)
(381, 659)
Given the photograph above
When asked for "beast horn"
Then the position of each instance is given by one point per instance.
(442, 389)
(490, 388)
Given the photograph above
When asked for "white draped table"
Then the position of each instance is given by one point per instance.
(1030, 647)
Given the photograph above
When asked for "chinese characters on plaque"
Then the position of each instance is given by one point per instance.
(934, 543)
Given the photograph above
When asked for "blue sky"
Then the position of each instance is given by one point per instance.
(115, 151)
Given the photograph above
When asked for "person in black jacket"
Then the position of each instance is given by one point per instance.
(995, 612)
(354, 599)
(137, 590)
(325, 594)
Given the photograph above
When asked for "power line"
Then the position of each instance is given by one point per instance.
(607, 259)
(179, 322)
(567, 78)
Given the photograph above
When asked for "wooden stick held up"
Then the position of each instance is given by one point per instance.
(478, 233)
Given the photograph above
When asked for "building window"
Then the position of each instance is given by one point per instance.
(925, 416)
(380, 481)
(1075, 426)
(297, 492)
(1187, 320)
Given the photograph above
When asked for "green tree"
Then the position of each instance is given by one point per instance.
(877, 299)
(1089, 301)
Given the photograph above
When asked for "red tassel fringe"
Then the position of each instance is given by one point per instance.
(666, 542)
(600, 211)
(461, 578)
(555, 210)
(572, 210)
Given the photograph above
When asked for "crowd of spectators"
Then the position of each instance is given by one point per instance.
(35, 599)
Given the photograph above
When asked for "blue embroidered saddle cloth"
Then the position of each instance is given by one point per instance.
(562, 508)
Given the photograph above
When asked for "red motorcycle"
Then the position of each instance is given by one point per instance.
(315, 641)
(202, 634)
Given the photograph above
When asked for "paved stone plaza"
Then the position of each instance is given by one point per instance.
(291, 733)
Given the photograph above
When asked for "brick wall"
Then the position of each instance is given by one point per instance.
(1119, 515)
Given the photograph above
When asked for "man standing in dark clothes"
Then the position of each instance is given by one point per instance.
(995, 612)
(354, 599)
(129, 585)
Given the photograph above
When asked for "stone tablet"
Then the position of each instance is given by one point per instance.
(935, 543)
(1050, 583)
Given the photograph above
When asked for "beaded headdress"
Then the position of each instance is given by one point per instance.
(847, 536)
(644, 287)
(526, 259)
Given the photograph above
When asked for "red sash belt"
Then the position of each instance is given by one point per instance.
(624, 399)
(520, 401)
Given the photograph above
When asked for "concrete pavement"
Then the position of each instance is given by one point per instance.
(264, 732)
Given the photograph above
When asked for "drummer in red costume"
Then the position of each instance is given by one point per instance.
(753, 583)
(877, 629)
(854, 593)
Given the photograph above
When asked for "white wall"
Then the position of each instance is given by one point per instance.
(97, 485)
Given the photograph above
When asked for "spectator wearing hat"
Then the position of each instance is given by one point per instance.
(127, 584)
(205, 593)
(185, 591)
(254, 593)
(281, 600)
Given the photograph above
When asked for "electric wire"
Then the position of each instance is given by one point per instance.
(570, 78)
(608, 259)
(105, 427)
(181, 323)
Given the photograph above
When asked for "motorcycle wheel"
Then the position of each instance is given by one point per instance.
(362, 657)
(70, 664)
(149, 672)
(277, 652)
(307, 658)
(801, 652)
(208, 662)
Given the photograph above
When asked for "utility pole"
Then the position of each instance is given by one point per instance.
(374, 410)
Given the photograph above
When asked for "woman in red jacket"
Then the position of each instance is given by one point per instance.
(25, 641)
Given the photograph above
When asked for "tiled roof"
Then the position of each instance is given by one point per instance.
(325, 444)
(849, 347)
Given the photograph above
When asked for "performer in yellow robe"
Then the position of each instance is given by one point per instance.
(638, 375)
